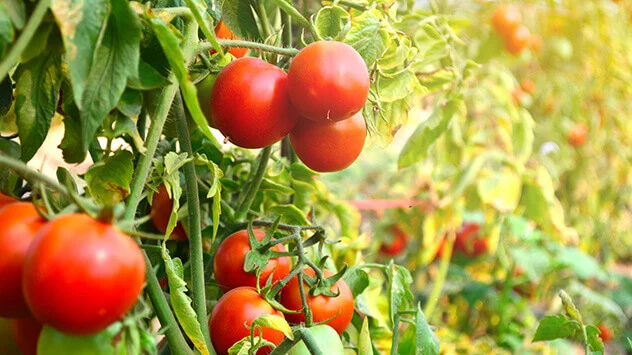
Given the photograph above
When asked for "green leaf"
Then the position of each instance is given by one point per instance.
(116, 60)
(416, 148)
(275, 322)
(38, 43)
(357, 279)
(16, 11)
(438, 80)
(131, 103)
(237, 15)
(53, 342)
(368, 36)
(269, 185)
(398, 52)
(364, 339)
(181, 303)
(398, 285)
(109, 179)
(556, 327)
(534, 261)
(287, 7)
(427, 342)
(10, 148)
(125, 125)
(290, 214)
(6, 30)
(6, 95)
(148, 78)
(332, 22)
(522, 135)
(396, 87)
(583, 265)
(72, 149)
(594, 340)
(501, 190)
(37, 93)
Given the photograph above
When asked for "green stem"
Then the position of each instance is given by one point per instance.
(174, 336)
(310, 342)
(281, 226)
(263, 17)
(229, 43)
(180, 11)
(395, 334)
(433, 299)
(253, 187)
(299, 265)
(195, 230)
(31, 175)
(210, 35)
(20, 45)
(287, 344)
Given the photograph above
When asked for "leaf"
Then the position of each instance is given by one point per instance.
(398, 284)
(53, 342)
(125, 125)
(6, 31)
(109, 179)
(501, 190)
(583, 265)
(534, 261)
(287, 7)
(555, 327)
(368, 36)
(131, 103)
(522, 135)
(332, 22)
(364, 339)
(594, 340)
(416, 148)
(171, 45)
(438, 80)
(37, 93)
(396, 87)
(289, 214)
(237, 15)
(16, 11)
(181, 303)
(269, 185)
(275, 322)
(116, 60)
(6, 95)
(38, 43)
(427, 342)
(148, 78)
(398, 52)
(357, 279)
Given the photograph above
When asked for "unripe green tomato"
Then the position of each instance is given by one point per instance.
(53, 342)
(326, 338)
(204, 96)
(7, 344)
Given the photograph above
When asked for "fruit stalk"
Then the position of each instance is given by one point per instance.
(230, 43)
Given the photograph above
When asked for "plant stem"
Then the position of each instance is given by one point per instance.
(181, 11)
(195, 230)
(229, 43)
(177, 343)
(287, 344)
(263, 17)
(253, 187)
(395, 334)
(281, 226)
(443, 272)
(28, 32)
(31, 175)
(310, 342)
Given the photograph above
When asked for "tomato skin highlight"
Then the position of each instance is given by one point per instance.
(161, 207)
(323, 307)
(26, 332)
(20, 223)
(250, 103)
(222, 31)
(577, 135)
(229, 262)
(397, 244)
(79, 261)
(240, 306)
(329, 81)
(505, 19)
(329, 146)
(517, 40)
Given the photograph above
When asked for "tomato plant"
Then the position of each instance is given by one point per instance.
(66, 264)
(26, 332)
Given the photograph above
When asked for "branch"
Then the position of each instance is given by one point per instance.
(230, 43)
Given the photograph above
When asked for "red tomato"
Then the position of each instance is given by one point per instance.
(528, 86)
(161, 207)
(222, 31)
(577, 135)
(20, 223)
(329, 81)
(26, 332)
(505, 19)
(329, 146)
(229, 262)
(468, 243)
(250, 104)
(81, 275)
(338, 309)
(605, 332)
(5, 200)
(397, 244)
(517, 40)
(239, 307)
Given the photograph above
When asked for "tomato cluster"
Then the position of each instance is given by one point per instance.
(71, 259)
(318, 103)
(507, 22)
(242, 304)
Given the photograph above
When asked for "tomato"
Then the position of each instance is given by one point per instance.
(161, 206)
(604, 332)
(397, 244)
(7, 342)
(517, 40)
(329, 81)
(5, 200)
(468, 243)
(250, 103)
(577, 135)
(26, 332)
(222, 31)
(535, 43)
(516, 94)
(338, 309)
(240, 306)
(53, 342)
(327, 339)
(81, 275)
(229, 262)
(505, 19)
(20, 223)
(329, 146)
(528, 86)
(204, 88)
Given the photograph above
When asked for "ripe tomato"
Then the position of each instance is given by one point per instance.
(161, 207)
(517, 40)
(222, 31)
(528, 86)
(329, 146)
(577, 135)
(5, 200)
(468, 243)
(229, 262)
(81, 275)
(250, 103)
(329, 81)
(505, 19)
(605, 332)
(26, 332)
(397, 244)
(240, 306)
(327, 339)
(338, 309)
(20, 223)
